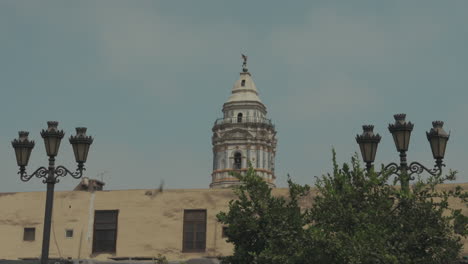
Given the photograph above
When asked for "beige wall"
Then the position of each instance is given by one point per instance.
(149, 222)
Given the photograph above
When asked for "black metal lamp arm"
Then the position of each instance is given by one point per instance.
(395, 169)
(416, 167)
(61, 171)
(41, 172)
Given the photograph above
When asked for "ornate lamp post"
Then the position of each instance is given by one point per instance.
(368, 143)
(401, 132)
(52, 137)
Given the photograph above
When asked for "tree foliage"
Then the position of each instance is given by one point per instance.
(366, 220)
(356, 217)
(262, 227)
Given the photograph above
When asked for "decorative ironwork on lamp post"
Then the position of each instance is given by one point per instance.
(52, 137)
(401, 132)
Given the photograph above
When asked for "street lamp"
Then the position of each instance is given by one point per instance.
(368, 143)
(438, 139)
(52, 137)
(401, 132)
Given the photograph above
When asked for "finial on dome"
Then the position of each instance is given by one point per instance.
(244, 64)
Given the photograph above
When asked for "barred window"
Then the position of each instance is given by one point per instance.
(105, 231)
(194, 237)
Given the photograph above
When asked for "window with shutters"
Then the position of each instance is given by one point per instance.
(105, 231)
(194, 238)
(29, 234)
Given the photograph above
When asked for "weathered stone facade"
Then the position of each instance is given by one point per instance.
(244, 135)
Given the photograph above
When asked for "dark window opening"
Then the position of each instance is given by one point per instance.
(243, 83)
(69, 233)
(237, 161)
(223, 233)
(239, 118)
(194, 237)
(105, 231)
(29, 234)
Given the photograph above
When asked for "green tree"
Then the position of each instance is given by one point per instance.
(262, 227)
(363, 219)
(356, 217)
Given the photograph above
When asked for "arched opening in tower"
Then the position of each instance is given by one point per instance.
(237, 161)
(239, 118)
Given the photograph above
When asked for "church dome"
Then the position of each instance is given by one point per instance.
(244, 89)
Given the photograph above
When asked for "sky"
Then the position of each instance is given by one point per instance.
(149, 78)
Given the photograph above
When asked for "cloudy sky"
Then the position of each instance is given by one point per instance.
(148, 79)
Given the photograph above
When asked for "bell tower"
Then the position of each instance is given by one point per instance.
(243, 135)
